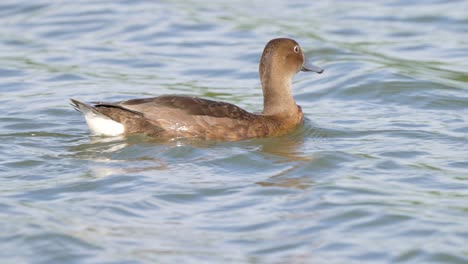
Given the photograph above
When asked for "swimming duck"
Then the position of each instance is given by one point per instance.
(174, 116)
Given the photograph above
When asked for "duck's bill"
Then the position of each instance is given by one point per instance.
(311, 67)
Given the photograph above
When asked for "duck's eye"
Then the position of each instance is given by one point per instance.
(296, 49)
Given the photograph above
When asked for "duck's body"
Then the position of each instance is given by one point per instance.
(182, 116)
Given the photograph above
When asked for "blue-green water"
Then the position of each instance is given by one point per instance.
(379, 173)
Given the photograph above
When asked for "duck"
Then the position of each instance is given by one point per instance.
(176, 116)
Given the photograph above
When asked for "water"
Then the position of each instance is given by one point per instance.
(378, 174)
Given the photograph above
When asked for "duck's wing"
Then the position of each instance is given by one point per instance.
(170, 106)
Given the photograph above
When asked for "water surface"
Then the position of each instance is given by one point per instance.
(378, 174)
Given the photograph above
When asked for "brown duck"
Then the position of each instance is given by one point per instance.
(173, 116)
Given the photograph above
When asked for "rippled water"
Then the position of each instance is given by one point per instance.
(379, 173)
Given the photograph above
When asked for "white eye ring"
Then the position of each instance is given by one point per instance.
(296, 49)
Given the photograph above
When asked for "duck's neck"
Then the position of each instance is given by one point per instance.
(277, 97)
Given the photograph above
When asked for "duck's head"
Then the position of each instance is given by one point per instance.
(283, 57)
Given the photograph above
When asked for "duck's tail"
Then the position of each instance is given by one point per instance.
(98, 123)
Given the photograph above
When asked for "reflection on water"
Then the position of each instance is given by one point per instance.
(376, 175)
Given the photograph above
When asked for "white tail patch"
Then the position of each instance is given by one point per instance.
(99, 124)
(102, 125)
